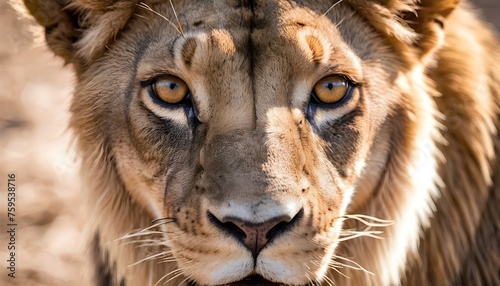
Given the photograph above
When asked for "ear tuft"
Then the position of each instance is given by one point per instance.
(430, 23)
(79, 30)
(385, 17)
(61, 30)
(415, 27)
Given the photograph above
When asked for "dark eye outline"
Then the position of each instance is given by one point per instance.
(351, 86)
(187, 103)
(149, 85)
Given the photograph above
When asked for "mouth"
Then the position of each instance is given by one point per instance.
(254, 280)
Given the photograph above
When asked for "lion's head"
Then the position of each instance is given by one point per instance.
(254, 141)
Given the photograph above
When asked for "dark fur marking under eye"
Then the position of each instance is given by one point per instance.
(158, 135)
(342, 136)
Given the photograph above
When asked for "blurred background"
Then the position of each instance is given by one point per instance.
(35, 91)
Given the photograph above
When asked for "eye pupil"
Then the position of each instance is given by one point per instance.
(169, 89)
(331, 89)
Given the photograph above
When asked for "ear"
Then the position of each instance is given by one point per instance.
(415, 27)
(429, 22)
(78, 30)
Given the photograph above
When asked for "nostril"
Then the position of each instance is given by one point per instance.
(234, 229)
(284, 226)
(229, 227)
(255, 236)
(279, 228)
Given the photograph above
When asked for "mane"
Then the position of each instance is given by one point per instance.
(457, 221)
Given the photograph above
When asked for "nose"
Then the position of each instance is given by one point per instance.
(255, 236)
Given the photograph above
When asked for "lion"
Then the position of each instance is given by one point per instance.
(273, 142)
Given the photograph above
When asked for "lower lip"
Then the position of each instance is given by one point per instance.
(253, 280)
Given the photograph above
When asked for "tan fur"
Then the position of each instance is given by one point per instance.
(399, 185)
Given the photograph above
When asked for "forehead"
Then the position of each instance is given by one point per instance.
(218, 30)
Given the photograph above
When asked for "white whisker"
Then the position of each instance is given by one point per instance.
(174, 277)
(174, 272)
(365, 219)
(350, 234)
(330, 281)
(331, 7)
(146, 7)
(177, 18)
(355, 267)
(132, 235)
(151, 257)
(342, 20)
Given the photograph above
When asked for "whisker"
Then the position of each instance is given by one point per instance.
(177, 18)
(174, 272)
(146, 7)
(132, 235)
(143, 242)
(175, 276)
(331, 7)
(342, 20)
(171, 259)
(355, 267)
(166, 219)
(145, 231)
(151, 257)
(377, 222)
(186, 279)
(140, 16)
(330, 281)
(152, 226)
(348, 235)
(336, 265)
(336, 268)
(308, 275)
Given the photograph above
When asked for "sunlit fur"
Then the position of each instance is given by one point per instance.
(399, 184)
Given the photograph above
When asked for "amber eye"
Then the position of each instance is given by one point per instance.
(170, 89)
(331, 89)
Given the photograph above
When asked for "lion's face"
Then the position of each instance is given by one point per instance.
(267, 142)
(250, 137)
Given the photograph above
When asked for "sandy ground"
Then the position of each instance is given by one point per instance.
(35, 90)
